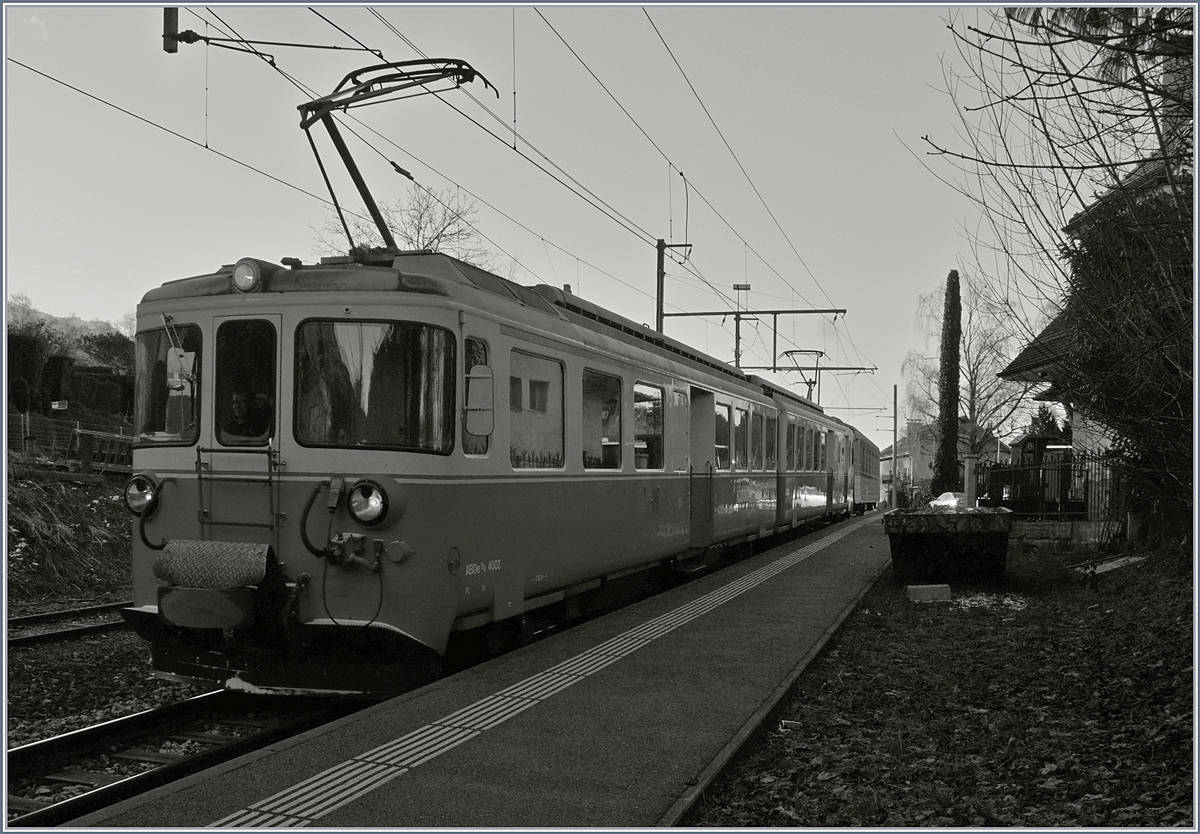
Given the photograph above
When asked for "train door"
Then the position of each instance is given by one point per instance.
(241, 456)
(828, 458)
(703, 466)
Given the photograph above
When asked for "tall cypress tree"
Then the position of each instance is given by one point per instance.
(945, 461)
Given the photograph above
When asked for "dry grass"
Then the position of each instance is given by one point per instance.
(66, 541)
(1047, 702)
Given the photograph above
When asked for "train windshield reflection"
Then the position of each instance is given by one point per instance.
(167, 403)
(377, 384)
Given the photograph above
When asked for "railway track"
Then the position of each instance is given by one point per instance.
(66, 624)
(54, 781)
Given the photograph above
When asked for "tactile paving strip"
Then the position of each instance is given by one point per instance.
(329, 790)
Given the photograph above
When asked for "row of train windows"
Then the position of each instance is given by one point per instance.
(391, 385)
(536, 437)
(536, 416)
(867, 460)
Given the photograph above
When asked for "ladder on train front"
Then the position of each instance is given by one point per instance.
(234, 505)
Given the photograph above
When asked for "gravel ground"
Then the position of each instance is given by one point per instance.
(54, 688)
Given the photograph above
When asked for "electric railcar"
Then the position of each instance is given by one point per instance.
(339, 466)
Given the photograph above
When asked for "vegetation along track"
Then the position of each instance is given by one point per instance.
(61, 625)
(59, 779)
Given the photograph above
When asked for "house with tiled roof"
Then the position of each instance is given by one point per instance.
(1046, 360)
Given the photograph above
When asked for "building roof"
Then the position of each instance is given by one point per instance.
(1146, 176)
(1039, 359)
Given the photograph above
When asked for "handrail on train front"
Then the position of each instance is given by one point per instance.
(271, 480)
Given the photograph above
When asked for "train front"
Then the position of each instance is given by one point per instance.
(274, 409)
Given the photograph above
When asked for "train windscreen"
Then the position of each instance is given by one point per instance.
(167, 405)
(377, 384)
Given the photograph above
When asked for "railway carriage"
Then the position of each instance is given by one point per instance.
(340, 466)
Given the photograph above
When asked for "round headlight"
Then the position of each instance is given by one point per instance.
(247, 277)
(141, 496)
(368, 503)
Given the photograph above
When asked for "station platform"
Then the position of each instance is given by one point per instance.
(619, 722)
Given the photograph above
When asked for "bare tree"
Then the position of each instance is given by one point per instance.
(1076, 141)
(442, 222)
(988, 406)
(1057, 108)
(127, 326)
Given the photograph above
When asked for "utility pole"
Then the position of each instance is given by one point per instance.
(895, 447)
(663, 246)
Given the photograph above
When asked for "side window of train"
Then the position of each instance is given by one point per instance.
(769, 442)
(756, 440)
(245, 377)
(476, 354)
(536, 431)
(167, 406)
(790, 464)
(741, 440)
(648, 426)
(810, 447)
(722, 436)
(601, 421)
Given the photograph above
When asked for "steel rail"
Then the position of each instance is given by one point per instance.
(43, 758)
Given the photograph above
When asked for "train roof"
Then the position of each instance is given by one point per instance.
(428, 272)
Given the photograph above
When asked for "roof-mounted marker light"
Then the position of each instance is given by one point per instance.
(247, 275)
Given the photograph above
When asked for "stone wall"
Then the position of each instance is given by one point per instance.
(1061, 535)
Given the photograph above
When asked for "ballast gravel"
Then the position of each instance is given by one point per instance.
(54, 688)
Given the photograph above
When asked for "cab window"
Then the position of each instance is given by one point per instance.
(245, 382)
(376, 384)
(167, 403)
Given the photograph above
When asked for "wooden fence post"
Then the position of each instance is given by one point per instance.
(85, 452)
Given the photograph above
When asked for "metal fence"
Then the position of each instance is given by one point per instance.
(73, 444)
(1075, 486)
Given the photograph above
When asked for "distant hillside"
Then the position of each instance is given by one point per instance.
(77, 325)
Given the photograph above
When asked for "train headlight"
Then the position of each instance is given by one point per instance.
(141, 495)
(247, 275)
(368, 503)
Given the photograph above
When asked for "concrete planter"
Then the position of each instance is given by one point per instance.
(936, 545)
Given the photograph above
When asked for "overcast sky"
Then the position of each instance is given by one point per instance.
(797, 130)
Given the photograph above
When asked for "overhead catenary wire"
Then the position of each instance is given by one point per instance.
(590, 197)
(700, 275)
(741, 167)
(664, 155)
(168, 130)
(516, 134)
(671, 165)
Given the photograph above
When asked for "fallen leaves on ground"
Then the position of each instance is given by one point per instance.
(1043, 703)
